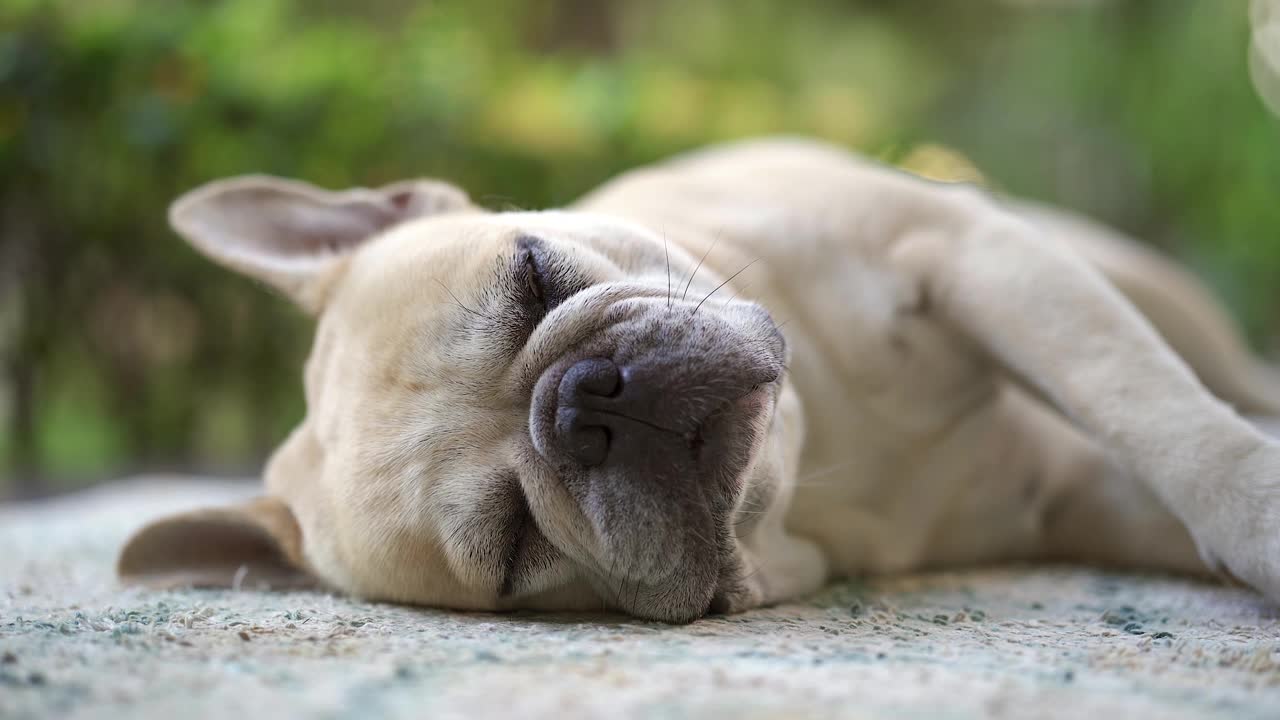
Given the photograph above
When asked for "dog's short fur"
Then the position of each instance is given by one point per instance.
(582, 408)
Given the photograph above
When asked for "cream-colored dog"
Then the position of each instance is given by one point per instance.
(581, 409)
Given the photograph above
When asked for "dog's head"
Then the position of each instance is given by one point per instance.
(504, 410)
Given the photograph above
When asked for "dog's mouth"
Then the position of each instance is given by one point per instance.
(651, 432)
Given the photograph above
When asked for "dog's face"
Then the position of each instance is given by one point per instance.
(504, 410)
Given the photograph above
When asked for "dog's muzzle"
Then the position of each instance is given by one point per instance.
(651, 426)
(652, 397)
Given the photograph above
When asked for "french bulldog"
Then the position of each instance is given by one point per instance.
(720, 382)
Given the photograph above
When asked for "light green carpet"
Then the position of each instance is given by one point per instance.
(1005, 643)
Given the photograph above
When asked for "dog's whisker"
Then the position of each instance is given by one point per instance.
(735, 294)
(711, 247)
(726, 282)
(460, 304)
(807, 477)
(699, 537)
(753, 573)
(666, 250)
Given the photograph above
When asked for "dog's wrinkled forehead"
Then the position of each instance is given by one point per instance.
(446, 299)
(433, 263)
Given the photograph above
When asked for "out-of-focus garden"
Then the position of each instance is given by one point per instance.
(124, 351)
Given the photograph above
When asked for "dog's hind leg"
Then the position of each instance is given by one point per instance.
(1057, 323)
(1180, 307)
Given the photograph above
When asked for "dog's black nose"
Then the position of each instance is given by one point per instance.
(617, 416)
(583, 426)
(646, 415)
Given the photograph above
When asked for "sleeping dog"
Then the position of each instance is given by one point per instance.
(721, 381)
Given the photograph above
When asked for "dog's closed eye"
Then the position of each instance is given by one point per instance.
(522, 534)
(544, 280)
(532, 269)
(497, 540)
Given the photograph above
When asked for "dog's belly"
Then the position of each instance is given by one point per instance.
(902, 415)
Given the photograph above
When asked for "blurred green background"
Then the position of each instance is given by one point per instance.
(124, 351)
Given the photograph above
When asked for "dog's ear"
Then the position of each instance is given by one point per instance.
(291, 234)
(254, 544)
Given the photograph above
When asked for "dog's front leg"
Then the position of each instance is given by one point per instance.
(1058, 324)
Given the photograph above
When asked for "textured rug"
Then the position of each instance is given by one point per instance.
(991, 643)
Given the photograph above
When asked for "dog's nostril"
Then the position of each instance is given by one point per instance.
(594, 376)
(584, 433)
(588, 445)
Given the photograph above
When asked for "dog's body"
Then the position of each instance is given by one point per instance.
(968, 382)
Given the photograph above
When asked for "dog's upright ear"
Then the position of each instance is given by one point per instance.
(292, 235)
(253, 544)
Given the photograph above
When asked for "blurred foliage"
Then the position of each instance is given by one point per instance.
(124, 350)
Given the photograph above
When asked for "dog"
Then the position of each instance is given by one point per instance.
(581, 408)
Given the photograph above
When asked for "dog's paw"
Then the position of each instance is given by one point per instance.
(784, 567)
(1239, 534)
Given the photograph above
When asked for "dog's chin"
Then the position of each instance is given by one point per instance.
(676, 601)
(723, 585)
(709, 583)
